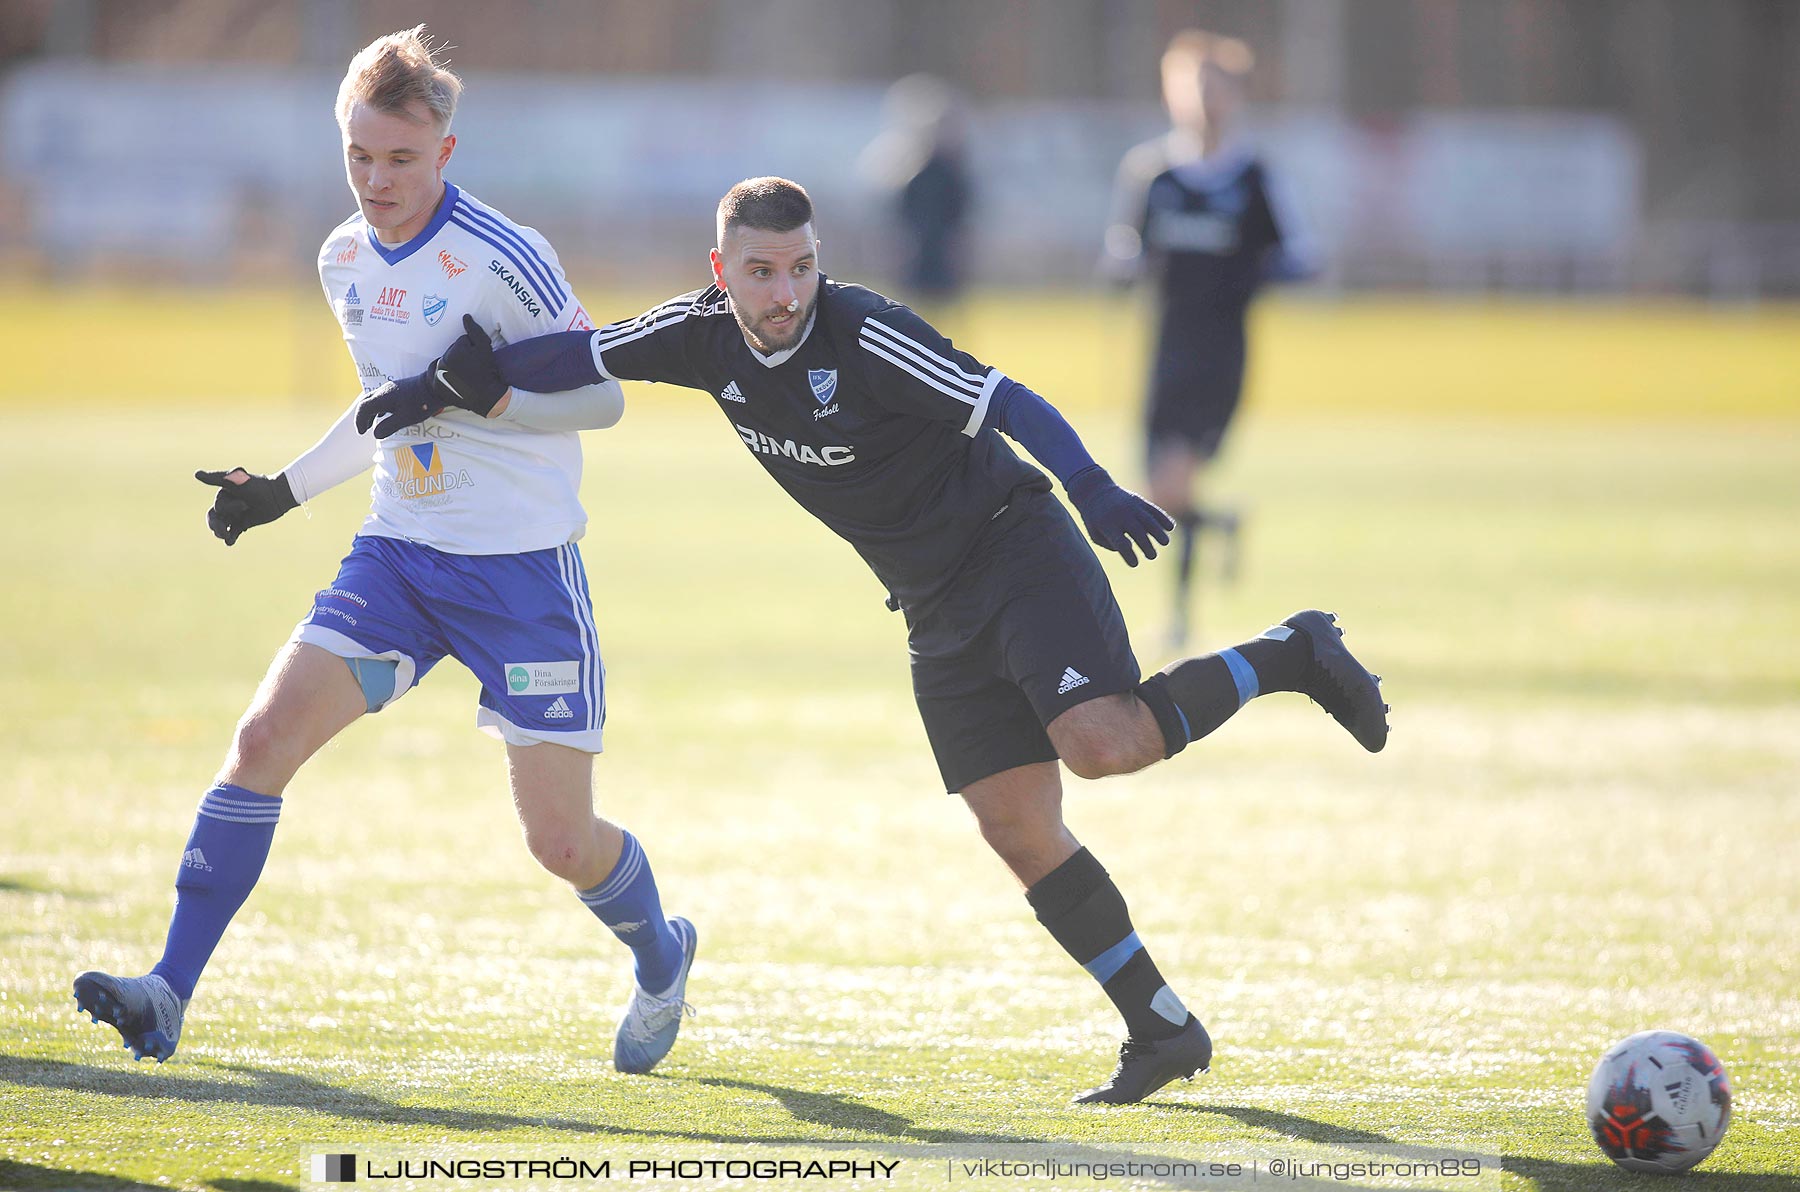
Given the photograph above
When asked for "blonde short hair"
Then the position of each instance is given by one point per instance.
(1193, 48)
(394, 72)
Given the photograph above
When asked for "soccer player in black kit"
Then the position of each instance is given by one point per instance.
(893, 438)
(1196, 210)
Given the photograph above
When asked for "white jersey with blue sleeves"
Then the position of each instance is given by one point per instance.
(458, 482)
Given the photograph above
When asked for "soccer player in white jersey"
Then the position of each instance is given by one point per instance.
(478, 499)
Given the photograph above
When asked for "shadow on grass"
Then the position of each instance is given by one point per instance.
(14, 1174)
(1549, 1175)
(842, 1113)
(285, 1089)
(890, 1131)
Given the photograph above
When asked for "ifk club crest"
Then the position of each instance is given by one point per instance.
(824, 384)
(434, 308)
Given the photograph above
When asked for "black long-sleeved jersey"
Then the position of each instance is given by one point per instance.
(1211, 231)
(874, 423)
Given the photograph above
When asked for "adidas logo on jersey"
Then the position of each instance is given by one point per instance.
(195, 859)
(560, 710)
(1071, 679)
(731, 392)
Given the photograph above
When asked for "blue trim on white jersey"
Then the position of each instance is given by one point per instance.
(394, 256)
(514, 247)
(539, 269)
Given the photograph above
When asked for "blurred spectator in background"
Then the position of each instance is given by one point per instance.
(918, 162)
(1195, 209)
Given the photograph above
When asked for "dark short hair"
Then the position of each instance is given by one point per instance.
(768, 204)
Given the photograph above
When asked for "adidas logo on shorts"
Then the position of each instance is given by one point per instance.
(1071, 679)
(559, 710)
(731, 392)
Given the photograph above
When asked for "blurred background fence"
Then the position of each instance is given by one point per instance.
(1542, 146)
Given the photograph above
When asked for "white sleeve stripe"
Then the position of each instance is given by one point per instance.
(657, 312)
(619, 339)
(931, 381)
(901, 341)
(948, 369)
(994, 379)
(924, 357)
(602, 342)
(599, 363)
(613, 333)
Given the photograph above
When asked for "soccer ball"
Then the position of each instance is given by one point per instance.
(1658, 1101)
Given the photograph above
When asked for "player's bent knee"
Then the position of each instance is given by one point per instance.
(1107, 736)
(1097, 755)
(259, 742)
(566, 853)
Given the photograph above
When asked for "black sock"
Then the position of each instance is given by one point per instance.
(1193, 697)
(1187, 526)
(1082, 909)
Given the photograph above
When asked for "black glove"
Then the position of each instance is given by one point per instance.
(465, 376)
(1116, 518)
(255, 501)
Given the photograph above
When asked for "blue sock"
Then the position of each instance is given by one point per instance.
(627, 902)
(219, 867)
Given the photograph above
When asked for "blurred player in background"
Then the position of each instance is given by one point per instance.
(468, 551)
(879, 427)
(1196, 208)
(919, 163)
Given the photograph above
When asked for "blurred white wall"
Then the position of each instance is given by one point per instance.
(188, 170)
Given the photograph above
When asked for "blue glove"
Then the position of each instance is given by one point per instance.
(1115, 518)
(465, 376)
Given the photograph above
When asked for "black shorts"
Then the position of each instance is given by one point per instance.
(1027, 630)
(1192, 397)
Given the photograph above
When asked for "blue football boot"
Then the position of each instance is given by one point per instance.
(144, 1010)
(652, 1021)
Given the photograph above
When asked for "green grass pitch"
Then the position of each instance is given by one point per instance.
(1579, 573)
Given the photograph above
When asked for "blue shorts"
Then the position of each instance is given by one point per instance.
(524, 624)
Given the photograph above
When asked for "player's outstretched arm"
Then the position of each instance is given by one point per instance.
(551, 363)
(1116, 518)
(464, 376)
(244, 500)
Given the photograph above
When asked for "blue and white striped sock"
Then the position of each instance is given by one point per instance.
(627, 902)
(219, 866)
(1193, 697)
(1082, 909)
